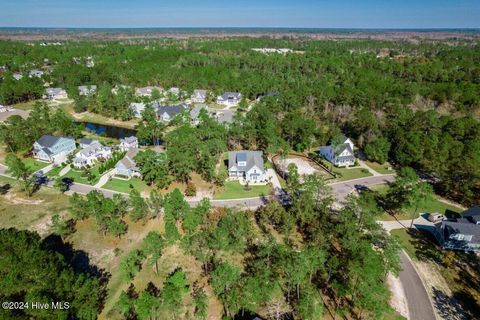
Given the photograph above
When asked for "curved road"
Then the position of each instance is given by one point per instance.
(419, 305)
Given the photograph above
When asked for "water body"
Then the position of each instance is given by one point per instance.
(108, 130)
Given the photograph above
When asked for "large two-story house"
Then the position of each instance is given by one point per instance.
(127, 167)
(56, 93)
(53, 149)
(339, 153)
(229, 99)
(147, 91)
(91, 152)
(246, 165)
(461, 233)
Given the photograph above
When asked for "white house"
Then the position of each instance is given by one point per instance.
(128, 143)
(147, 91)
(36, 73)
(17, 76)
(195, 113)
(199, 96)
(127, 167)
(137, 108)
(3, 108)
(56, 93)
(229, 99)
(53, 149)
(175, 92)
(246, 165)
(92, 153)
(340, 154)
(87, 90)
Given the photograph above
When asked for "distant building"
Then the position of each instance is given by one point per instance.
(229, 99)
(246, 165)
(174, 91)
(340, 154)
(223, 116)
(92, 153)
(56, 93)
(53, 149)
(195, 112)
(36, 73)
(128, 143)
(462, 233)
(137, 108)
(199, 96)
(87, 90)
(87, 142)
(127, 167)
(147, 91)
(167, 113)
(17, 76)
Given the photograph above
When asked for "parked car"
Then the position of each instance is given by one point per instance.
(435, 217)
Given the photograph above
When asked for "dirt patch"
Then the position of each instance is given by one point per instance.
(398, 300)
(14, 198)
(304, 166)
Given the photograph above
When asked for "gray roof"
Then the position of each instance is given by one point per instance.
(171, 110)
(85, 88)
(199, 93)
(231, 95)
(128, 161)
(342, 147)
(224, 116)
(253, 158)
(54, 91)
(130, 139)
(195, 112)
(86, 140)
(48, 141)
(447, 228)
(472, 212)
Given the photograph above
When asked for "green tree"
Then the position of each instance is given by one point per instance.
(17, 168)
(131, 263)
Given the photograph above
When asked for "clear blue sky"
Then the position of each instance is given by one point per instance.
(242, 13)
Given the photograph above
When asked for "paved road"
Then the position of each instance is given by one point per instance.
(419, 306)
(342, 189)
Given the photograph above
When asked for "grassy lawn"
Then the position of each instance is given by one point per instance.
(125, 185)
(55, 171)
(234, 190)
(25, 105)
(380, 168)
(406, 242)
(34, 164)
(345, 174)
(76, 175)
(434, 205)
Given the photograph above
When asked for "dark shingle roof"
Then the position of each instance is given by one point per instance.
(47, 141)
(171, 110)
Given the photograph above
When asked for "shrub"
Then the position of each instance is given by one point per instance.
(190, 190)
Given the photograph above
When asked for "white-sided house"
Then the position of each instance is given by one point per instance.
(56, 93)
(87, 142)
(167, 113)
(53, 149)
(137, 108)
(340, 155)
(3, 108)
(229, 99)
(199, 96)
(90, 154)
(17, 76)
(128, 143)
(195, 113)
(127, 167)
(147, 91)
(246, 165)
(87, 90)
(36, 73)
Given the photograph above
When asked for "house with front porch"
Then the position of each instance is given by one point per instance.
(199, 96)
(229, 99)
(246, 165)
(339, 153)
(128, 143)
(127, 167)
(53, 149)
(92, 153)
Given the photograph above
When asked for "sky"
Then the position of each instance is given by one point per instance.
(241, 13)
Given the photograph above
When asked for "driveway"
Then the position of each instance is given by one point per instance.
(419, 305)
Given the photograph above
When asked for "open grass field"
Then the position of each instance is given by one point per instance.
(350, 173)
(33, 213)
(97, 118)
(125, 185)
(234, 190)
